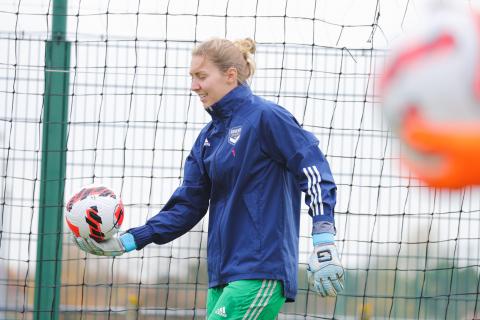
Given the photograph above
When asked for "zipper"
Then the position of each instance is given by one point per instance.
(220, 218)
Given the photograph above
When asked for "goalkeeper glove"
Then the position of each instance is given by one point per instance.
(114, 246)
(324, 267)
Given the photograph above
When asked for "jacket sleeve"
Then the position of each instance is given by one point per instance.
(185, 208)
(289, 144)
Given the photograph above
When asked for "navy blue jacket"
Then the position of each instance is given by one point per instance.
(248, 165)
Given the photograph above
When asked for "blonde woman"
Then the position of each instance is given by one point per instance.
(248, 166)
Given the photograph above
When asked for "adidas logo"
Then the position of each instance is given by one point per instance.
(221, 312)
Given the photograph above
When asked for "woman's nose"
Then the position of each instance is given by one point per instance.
(194, 85)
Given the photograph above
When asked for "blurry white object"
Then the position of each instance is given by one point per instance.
(431, 96)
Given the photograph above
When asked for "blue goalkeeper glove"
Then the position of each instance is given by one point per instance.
(324, 269)
(114, 246)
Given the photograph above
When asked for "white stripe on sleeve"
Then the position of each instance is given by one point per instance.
(319, 189)
(314, 190)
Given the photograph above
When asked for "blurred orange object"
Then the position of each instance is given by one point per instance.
(451, 150)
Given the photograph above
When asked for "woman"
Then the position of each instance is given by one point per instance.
(248, 166)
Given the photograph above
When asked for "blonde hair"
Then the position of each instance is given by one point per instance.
(226, 54)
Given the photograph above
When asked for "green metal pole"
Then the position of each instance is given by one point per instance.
(52, 180)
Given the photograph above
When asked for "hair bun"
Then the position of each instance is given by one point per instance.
(246, 45)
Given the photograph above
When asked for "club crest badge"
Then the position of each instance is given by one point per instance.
(206, 143)
(234, 135)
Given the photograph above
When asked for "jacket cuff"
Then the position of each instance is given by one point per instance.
(143, 235)
(322, 227)
(324, 218)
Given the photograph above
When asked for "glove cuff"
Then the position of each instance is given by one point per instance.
(128, 242)
(322, 238)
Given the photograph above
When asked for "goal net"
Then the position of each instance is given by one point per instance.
(409, 252)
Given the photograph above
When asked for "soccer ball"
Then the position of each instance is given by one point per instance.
(94, 212)
(431, 97)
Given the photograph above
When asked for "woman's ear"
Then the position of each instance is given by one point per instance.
(232, 75)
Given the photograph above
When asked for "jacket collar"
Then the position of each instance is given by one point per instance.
(224, 107)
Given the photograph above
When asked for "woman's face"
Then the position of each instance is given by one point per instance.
(209, 82)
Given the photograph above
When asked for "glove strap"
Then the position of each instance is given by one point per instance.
(322, 238)
(128, 242)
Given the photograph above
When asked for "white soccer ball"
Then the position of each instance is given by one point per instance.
(94, 212)
(434, 74)
(436, 70)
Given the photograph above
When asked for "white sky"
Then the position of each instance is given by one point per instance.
(122, 20)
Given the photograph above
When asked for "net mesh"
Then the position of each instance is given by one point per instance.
(409, 252)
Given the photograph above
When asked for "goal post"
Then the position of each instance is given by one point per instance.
(53, 167)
